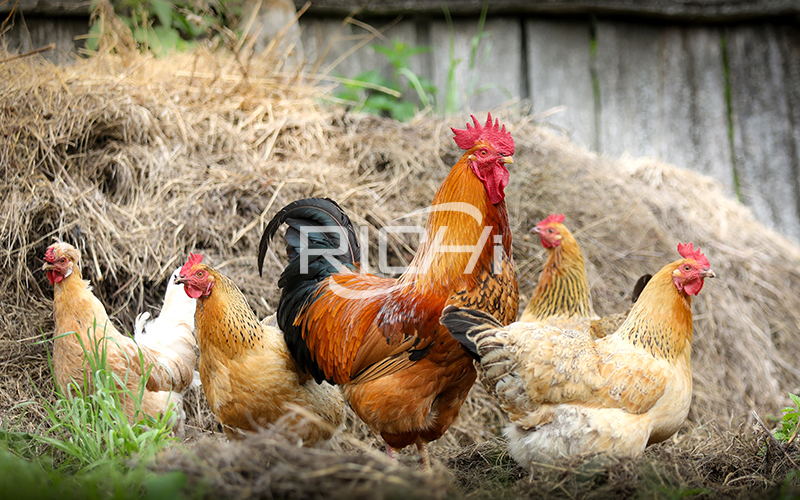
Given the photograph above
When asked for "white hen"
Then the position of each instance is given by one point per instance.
(174, 326)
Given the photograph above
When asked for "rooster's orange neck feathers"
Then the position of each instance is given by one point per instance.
(460, 211)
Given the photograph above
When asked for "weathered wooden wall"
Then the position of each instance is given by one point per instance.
(710, 85)
(721, 99)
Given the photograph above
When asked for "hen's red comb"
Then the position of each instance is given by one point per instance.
(194, 258)
(559, 218)
(50, 255)
(497, 137)
(687, 251)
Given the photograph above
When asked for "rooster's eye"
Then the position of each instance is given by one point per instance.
(199, 274)
(687, 268)
(483, 152)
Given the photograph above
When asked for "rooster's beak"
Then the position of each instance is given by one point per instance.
(535, 229)
(708, 273)
(508, 159)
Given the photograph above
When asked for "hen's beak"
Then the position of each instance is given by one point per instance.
(180, 280)
(535, 229)
(47, 266)
(708, 273)
(508, 159)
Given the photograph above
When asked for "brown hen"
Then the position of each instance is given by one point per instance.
(248, 376)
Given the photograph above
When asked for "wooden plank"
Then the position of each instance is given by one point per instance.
(789, 40)
(495, 75)
(559, 75)
(47, 7)
(627, 77)
(693, 123)
(764, 144)
(345, 49)
(34, 32)
(688, 10)
(662, 95)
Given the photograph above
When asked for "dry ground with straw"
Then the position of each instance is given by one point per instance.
(138, 161)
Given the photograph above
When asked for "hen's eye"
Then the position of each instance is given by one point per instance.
(199, 274)
(687, 268)
(62, 260)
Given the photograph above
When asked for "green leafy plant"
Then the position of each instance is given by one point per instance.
(453, 95)
(161, 26)
(787, 432)
(87, 448)
(398, 96)
(87, 426)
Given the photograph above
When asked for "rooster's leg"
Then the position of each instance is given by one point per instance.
(424, 458)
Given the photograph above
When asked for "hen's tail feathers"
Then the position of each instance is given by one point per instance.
(487, 340)
(639, 286)
(317, 224)
(469, 327)
(138, 324)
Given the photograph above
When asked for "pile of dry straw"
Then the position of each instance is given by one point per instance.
(138, 161)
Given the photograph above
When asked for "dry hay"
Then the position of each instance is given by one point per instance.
(138, 161)
(269, 466)
(704, 462)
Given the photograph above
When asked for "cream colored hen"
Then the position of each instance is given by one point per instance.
(569, 395)
(80, 318)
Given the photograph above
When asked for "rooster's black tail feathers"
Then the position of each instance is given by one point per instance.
(320, 239)
(302, 217)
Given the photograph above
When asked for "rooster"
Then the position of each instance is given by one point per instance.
(248, 376)
(81, 322)
(561, 297)
(380, 337)
(568, 395)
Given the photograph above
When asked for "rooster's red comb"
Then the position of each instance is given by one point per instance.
(194, 258)
(687, 251)
(559, 218)
(496, 136)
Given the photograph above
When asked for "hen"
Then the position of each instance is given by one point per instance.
(248, 376)
(380, 337)
(81, 322)
(174, 326)
(561, 297)
(568, 395)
